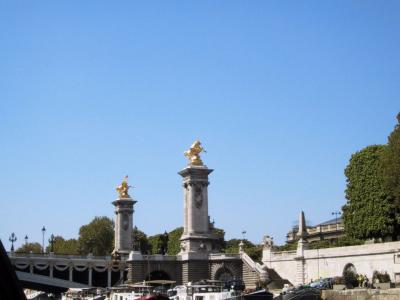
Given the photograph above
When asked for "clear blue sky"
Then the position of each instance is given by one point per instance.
(280, 93)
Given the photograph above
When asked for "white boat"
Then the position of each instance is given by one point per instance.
(84, 294)
(130, 292)
(199, 292)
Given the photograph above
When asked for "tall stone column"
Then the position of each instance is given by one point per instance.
(123, 221)
(197, 240)
(197, 235)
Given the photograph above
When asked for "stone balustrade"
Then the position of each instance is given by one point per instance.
(62, 263)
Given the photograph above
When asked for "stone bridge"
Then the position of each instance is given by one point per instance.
(50, 272)
(63, 271)
(198, 257)
(215, 266)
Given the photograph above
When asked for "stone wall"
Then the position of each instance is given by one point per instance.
(361, 294)
(331, 262)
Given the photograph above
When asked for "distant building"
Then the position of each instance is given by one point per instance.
(329, 230)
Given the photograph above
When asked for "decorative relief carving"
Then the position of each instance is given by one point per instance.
(267, 242)
(125, 221)
(198, 196)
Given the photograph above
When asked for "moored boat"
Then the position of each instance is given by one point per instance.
(84, 294)
(130, 291)
(300, 293)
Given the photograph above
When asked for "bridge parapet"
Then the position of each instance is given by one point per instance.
(159, 257)
(70, 267)
(224, 256)
(57, 256)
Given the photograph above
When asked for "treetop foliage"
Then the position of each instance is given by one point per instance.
(62, 246)
(391, 164)
(97, 237)
(30, 247)
(368, 212)
(372, 210)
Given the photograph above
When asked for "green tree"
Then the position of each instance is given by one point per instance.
(232, 246)
(219, 244)
(286, 247)
(369, 211)
(174, 241)
(254, 251)
(62, 246)
(97, 237)
(159, 243)
(140, 241)
(30, 247)
(156, 244)
(391, 163)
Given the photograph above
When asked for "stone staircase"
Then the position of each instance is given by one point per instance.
(254, 272)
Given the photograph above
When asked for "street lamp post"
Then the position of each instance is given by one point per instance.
(12, 239)
(43, 232)
(336, 214)
(51, 242)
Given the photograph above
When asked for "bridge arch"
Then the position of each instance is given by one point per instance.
(158, 275)
(224, 274)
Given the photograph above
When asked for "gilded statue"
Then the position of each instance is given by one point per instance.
(193, 154)
(123, 188)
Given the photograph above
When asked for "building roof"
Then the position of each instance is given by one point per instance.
(333, 221)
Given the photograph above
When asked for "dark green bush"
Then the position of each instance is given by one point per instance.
(381, 277)
(350, 279)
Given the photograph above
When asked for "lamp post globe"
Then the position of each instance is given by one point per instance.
(12, 239)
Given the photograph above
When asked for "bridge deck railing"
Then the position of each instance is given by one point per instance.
(51, 255)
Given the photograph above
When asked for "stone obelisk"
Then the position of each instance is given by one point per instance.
(123, 221)
(302, 245)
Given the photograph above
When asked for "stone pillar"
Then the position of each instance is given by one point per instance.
(197, 235)
(195, 267)
(121, 273)
(109, 270)
(71, 271)
(123, 226)
(135, 265)
(197, 240)
(90, 273)
(51, 270)
(267, 244)
(31, 268)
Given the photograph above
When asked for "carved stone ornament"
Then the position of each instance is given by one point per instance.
(125, 221)
(198, 196)
(267, 242)
(183, 246)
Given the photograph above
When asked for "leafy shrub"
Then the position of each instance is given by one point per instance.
(350, 279)
(380, 277)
